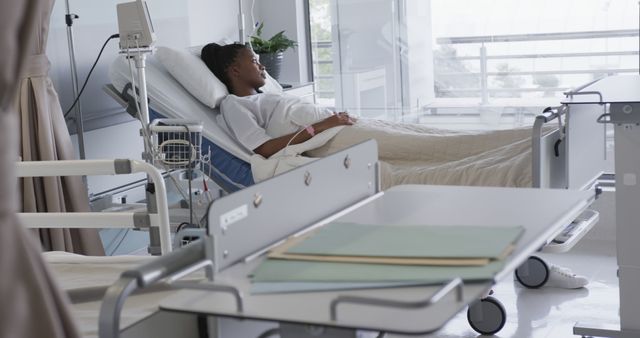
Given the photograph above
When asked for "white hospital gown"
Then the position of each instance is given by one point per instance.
(255, 119)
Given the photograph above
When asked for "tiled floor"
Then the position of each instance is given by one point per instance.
(551, 312)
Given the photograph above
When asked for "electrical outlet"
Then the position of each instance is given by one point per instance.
(119, 199)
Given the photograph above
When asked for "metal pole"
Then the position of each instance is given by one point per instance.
(74, 80)
(483, 74)
(142, 86)
(155, 238)
(241, 38)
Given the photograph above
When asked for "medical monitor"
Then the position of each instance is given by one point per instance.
(134, 25)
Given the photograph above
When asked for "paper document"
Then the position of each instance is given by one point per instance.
(336, 252)
(289, 287)
(364, 240)
(280, 252)
(277, 270)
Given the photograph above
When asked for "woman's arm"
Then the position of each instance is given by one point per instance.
(276, 144)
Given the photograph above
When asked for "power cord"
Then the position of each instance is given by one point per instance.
(88, 75)
(182, 225)
(275, 332)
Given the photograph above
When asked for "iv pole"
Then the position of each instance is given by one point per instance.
(78, 120)
(241, 39)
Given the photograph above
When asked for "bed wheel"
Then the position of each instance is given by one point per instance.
(487, 316)
(533, 273)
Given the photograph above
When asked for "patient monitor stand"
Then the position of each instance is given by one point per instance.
(139, 56)
(342, 187)
(622, 94)
(137, 39)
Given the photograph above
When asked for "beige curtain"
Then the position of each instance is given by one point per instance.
(44, 137)
(33, 307)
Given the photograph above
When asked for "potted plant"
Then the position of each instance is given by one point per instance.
(270, 50)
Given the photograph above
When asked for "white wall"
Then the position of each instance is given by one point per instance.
(118, 141)
(212, 20)
(97, 21)
(287, 15)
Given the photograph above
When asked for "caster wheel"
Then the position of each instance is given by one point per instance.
(487, 316)
(533, 273)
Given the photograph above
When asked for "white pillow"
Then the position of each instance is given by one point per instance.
(271, 85)
(194, 75)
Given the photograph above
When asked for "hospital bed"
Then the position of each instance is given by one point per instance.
(243, 225)
(568, 149)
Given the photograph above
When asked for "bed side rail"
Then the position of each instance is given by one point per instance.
(95, 219)
(168, 268)
(547, 150)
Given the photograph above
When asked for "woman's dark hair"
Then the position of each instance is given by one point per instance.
(219, 58)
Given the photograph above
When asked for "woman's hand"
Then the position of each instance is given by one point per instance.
(344, 113)
(274, 145)
(339, 119)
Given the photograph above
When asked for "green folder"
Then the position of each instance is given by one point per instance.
(290, 287)
(349, 239)
(274, 270)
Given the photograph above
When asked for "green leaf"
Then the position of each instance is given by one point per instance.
(277, 43)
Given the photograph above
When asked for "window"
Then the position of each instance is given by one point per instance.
(320, 28)
(466, 63)
(520, 49)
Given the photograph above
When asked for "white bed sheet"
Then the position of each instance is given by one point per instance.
(83, 276)
(75, 271)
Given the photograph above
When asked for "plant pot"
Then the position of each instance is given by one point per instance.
(273, 63)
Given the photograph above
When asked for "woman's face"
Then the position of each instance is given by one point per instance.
(248, 70)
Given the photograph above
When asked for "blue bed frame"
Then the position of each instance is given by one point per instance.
(229, 172)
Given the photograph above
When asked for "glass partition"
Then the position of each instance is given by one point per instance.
(471, 64)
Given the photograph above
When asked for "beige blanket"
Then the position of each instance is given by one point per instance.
(418, 154)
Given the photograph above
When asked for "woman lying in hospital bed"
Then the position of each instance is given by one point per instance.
(265, 123)
(271, 124)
